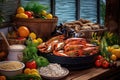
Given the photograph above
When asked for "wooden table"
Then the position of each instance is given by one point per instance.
(95, 74)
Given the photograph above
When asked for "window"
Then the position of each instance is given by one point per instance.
(70, 10)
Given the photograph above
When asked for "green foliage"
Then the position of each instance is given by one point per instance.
(35, 7)
(112, 38)
(30, 53)
(25, 77)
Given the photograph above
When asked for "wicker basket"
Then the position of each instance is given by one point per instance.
(16, 41)
(43, 28)
(88, 33)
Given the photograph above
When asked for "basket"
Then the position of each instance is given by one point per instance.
(88, 34)
(16, 41)
(42, 27)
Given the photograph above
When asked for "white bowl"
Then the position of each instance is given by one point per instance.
(10, 72)
(57, 77)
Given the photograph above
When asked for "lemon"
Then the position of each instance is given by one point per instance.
(110, 48)
(32, 35)
(116, 52)
(17, 15)
(35, 41)
(39, 40)
(49, 16)
(35, 73)
(113, 57)
(44, 12)
(20, 10)
(34, 70)
(21, 15)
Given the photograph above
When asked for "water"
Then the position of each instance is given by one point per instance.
(65, 9)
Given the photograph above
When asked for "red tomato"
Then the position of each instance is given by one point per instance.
(99, 57)
(29, 13)
(105, 64)
(31, 64)
(98, 63)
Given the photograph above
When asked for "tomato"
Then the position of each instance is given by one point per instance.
(105, 64)
(31, 64)
(99, 57)
(29, 13)
(98, 63)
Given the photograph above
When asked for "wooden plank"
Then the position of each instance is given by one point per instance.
(92, 73)
(84, 74)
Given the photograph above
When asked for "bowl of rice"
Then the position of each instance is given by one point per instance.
(53, 71)
(11, 68)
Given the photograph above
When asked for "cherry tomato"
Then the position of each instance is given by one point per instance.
(99, 57)
(31, 64)
(29, 13)
(105, 64)
(98, 63)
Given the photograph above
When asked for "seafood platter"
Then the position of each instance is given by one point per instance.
(72, 53)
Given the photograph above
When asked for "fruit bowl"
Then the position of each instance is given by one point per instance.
(72, 63)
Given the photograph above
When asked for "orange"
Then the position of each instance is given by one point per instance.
(20, 10)
(23, 31)
(27, 71)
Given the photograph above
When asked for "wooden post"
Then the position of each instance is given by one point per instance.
(112, 21)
